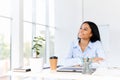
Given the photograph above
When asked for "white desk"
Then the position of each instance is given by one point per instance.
(99, 74)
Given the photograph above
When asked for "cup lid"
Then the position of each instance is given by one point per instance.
(53, 57)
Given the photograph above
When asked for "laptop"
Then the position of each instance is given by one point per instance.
(72, 69)
(69, 69)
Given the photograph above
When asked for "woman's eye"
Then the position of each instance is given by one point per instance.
(85, 29)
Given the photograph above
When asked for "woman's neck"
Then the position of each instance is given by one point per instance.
(83, 44)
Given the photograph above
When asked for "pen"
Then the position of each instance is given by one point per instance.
(87, 59)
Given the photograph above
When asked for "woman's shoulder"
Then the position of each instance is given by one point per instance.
(74, 42)
(97, 43)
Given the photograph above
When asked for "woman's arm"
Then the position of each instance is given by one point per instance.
(100, 53)
(97, 60)
(69, 59)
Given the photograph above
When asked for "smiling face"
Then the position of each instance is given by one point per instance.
(85, 32)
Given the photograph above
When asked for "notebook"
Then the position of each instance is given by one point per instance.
(72, 69)
(69, 69)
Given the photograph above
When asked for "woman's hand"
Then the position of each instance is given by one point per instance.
(97, 59)
(76, 66)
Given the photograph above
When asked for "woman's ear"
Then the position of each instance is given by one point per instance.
(91, 35)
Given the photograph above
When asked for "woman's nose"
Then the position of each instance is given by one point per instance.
(81, 30)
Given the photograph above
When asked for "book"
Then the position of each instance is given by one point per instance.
(21, 69)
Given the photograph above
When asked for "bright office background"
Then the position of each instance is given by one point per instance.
(58, 21)
(20, 21)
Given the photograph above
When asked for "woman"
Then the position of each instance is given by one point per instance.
(88, 45)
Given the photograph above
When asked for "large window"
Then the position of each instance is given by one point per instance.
(5, 23)
(39, 19)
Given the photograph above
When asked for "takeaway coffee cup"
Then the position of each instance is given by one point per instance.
(53, 62)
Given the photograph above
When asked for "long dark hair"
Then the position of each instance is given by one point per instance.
(95, 31)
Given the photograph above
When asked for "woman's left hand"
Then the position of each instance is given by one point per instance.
(97, 59)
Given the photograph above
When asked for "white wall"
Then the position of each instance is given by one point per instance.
(105, 13)
(67, 21)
